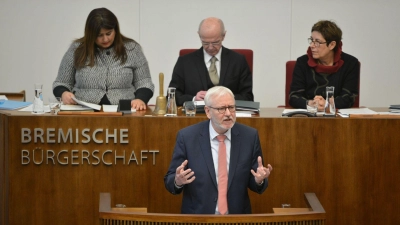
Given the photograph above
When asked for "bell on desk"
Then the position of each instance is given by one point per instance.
(161, 101)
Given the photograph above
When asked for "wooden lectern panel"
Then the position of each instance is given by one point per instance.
(290, 210)
(130, 209)
(313, 216)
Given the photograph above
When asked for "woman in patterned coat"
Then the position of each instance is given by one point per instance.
(104, 66)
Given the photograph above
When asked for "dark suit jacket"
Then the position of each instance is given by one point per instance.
(200, 196)
(190, 76)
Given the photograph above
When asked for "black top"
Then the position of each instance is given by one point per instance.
(307, 83)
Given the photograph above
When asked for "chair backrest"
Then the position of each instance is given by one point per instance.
(15, 96)
(289, 74)
(248, 54)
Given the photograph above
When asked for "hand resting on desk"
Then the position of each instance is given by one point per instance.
(138, 104)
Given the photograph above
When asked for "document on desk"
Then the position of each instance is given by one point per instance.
(395, 107)
(395, 113)
(87, 104)
(241, 106)
(75, 108)
(285, 111)
(244, 113)
(46, 108)
(110, 108)
(11, 105)
(357, 111)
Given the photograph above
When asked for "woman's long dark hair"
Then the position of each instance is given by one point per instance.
(98, 19)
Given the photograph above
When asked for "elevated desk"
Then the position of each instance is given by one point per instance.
(54, 167)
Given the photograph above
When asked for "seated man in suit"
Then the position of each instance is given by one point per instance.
(211, 65)
(216, 161)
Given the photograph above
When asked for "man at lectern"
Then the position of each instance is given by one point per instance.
(216, 161)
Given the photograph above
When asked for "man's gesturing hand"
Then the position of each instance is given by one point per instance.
(262, 172)
(183, 176)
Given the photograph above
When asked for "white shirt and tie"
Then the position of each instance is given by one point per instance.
(207, 60)
(214, 150)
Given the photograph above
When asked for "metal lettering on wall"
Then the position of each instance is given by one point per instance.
(94, 157)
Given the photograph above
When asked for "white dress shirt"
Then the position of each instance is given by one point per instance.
(207, 60)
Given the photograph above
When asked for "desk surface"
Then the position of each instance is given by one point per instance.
(348, 163)
(264, 113)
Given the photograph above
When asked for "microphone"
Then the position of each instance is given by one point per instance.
(107, 52)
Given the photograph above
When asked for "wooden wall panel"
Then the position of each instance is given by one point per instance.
(3, 200)
(348, 163)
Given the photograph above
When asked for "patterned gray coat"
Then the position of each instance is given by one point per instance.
(107, 77)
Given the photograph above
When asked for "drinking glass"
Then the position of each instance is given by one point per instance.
(38, 107)
(330, 108)
(312, 106)
(171, 105)
(55, 105)
(190, 108)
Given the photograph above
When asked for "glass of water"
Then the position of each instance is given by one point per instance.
(330, 108)
(55, 105)
(190, 108)
(312, 106)
(38, 107)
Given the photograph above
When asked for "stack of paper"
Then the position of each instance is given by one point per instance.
(110, 108)
(356, 111)
(247, 106)
(82, 106)
(241, 105)
(75, 108)
(87, 104)
(394, 108)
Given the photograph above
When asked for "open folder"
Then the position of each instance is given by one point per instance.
(10, 105)
(241, 105)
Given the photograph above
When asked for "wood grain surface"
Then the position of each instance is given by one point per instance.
(350, 164)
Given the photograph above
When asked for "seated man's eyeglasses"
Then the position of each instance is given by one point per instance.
(316, 43)
(222, 110)
(215, 43)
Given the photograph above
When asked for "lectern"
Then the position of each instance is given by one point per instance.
(315, 215)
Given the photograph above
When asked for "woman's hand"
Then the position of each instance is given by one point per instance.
(138, 104)
(66, 98)
(320, 102)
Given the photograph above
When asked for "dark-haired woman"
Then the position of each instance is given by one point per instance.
(104, 66)
(325, 65)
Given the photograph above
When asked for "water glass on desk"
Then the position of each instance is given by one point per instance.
(312, 106)
(172, 110)
(330, 109)
(38, 107)
(55, 105)
(190, 108)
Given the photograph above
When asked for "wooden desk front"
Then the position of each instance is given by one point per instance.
(351, 165)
